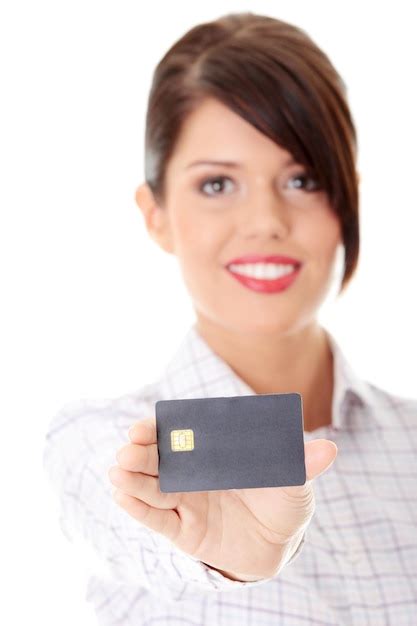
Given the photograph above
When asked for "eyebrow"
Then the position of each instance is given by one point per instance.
(289, 161)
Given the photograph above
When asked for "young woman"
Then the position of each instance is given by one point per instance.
(251, 183)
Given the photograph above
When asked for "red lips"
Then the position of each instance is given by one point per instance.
(270, 258)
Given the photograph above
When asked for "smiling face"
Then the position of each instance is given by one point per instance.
(266, 204)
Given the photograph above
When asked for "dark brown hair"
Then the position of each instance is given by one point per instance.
(274, 76)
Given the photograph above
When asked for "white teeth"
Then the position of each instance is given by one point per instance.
(270, 271)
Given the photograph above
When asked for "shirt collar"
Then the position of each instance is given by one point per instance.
(196, 371)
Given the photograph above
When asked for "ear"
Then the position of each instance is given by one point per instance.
(156, 218)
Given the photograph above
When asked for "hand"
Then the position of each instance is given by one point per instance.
(247, 532)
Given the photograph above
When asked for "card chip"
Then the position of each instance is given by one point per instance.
(182, 440)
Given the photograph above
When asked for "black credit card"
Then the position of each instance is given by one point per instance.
(236, 442)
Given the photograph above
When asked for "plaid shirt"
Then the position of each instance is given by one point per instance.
(356, 565)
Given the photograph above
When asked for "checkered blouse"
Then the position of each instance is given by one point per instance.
(356, 565)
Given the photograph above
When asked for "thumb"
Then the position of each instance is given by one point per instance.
(319, 456)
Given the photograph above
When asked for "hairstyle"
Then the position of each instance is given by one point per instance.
(275, 77)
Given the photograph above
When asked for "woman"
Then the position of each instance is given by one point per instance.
(251, 183)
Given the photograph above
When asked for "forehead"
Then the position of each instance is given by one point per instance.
(213, 131)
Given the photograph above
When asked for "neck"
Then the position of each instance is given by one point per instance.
(301, 362)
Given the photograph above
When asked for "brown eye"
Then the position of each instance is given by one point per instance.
(216, 183)
(312, 183)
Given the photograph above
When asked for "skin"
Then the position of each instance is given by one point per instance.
(272, 341)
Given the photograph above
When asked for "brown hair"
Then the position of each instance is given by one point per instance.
(275, 77)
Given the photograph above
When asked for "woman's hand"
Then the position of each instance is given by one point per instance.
(244, 533)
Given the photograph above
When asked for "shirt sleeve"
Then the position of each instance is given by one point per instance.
(81, 443)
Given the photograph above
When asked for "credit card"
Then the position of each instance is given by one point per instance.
(233, 442)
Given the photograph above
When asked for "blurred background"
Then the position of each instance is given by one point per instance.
(84, 290)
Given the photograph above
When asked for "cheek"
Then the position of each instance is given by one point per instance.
(320, 236)
(198, 239)
(198, 247)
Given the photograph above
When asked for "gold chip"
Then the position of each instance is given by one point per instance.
(182, 440)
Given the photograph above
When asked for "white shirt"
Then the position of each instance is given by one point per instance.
(357, 564)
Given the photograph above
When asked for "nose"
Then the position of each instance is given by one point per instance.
(265, 214)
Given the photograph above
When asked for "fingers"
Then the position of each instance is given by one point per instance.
(142, 486)
(142, 454)
(143, 431)
(319, 456)
(166, 522)
(139, 458)
(137, 482)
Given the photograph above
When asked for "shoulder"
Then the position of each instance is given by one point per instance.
(393, 409)
(103, 415)
(394, 400)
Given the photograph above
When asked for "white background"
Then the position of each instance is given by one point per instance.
(91, 307)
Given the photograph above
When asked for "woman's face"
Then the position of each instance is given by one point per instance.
(264, 205)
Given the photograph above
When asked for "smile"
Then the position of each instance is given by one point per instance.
(265, 277)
